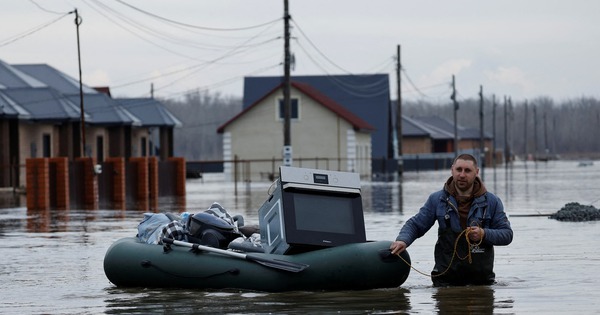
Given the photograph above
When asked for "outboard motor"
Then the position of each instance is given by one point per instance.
(209, 230)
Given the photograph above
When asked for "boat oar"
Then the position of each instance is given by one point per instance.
(269, 262)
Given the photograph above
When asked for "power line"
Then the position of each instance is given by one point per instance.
(46, 10)
(318, 50)
(196, 26)
(30, 32)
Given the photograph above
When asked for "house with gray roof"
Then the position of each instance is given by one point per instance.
(428, 142)
(155, 116)
(366, 96)
(324, 134)
(40, 116)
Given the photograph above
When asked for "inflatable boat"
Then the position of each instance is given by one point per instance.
(312, 237)
(360, 266)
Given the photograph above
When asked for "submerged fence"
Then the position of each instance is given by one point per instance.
(116, 183)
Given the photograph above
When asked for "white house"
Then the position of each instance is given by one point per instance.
(324, 135)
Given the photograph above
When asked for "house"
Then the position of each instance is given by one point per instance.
(429, 140)
(366, 96)
(40, 116)
(154, 116)
(324, 134)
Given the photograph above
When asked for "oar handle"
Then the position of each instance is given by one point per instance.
(204, 248)
(269, 262)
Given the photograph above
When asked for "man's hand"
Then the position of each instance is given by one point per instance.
(397, 247)
(476, 233)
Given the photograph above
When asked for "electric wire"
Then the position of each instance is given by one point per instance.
(235, 51)
(317, 48)
(30, 31)
(196, 26)
(46, 10)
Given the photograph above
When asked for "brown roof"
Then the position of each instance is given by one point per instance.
(356, 122)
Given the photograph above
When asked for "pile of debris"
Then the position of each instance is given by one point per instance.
(576, 212)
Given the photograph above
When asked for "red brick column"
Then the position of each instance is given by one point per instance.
(179, 175)
(61, 164)
(118, 181)
(142, 192)
(153, 181)
(38, 191)
(90, 182)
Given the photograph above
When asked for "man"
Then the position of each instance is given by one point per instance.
(471, 221)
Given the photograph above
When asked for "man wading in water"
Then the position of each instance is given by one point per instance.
(471, 221)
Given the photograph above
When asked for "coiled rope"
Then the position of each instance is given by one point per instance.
(464, 232)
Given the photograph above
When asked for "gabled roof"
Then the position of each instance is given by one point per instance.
(439, 128)
(10, 108)
(356, 122)
(54, 78)
(11, 77)
(104, 110)
(44, 103)
(151, 112)
(366, 96)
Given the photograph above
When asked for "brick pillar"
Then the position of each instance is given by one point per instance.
(38, 191)
(153, 181)
(142, 189)
(61, 182)
(118, 195)
(90, 183)
(179, 175)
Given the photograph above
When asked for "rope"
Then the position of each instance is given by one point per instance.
(454, 254)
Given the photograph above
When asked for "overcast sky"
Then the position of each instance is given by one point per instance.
(521, 49)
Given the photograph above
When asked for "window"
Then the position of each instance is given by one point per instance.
(99, 149)
(143, 147)
(46, 145)
(294, 109)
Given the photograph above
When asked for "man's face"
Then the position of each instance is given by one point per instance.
(464, 173)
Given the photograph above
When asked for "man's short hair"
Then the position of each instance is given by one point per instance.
(466, 157)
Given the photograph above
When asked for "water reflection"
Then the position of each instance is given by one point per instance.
(180, 301)
(467, 300)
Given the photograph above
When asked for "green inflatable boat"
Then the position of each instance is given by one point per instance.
(312, 237)
(359, 266)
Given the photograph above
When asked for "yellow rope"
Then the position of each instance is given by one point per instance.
(455, 253)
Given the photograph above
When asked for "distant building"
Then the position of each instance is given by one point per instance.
(40, 116)
(324, 134)
(430, 141)
(366, 96)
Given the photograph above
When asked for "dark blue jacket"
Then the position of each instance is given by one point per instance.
(486, 212)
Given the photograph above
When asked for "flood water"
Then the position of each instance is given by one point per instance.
(51, 261)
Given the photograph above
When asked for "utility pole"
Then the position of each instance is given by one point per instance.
(525, 132)
(546, 147)
(506, 149)
(399, 114)
(287, 141)
(535, 135)
(453, 98)
(481, 139)
(78, 21)
(494, 131)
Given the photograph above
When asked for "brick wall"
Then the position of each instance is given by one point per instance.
(61, 182)
(38, 190)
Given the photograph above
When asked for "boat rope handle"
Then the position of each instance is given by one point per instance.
(454, 254)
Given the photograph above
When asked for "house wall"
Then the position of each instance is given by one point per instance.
(91, 141)
(31, 143)
(416, 145)
(364, 152)
(137, 134)
(318, 133)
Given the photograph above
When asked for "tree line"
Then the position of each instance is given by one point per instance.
(539, 126)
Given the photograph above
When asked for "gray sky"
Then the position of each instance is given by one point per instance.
(521, 49)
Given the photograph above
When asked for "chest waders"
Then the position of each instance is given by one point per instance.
(478, 271)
